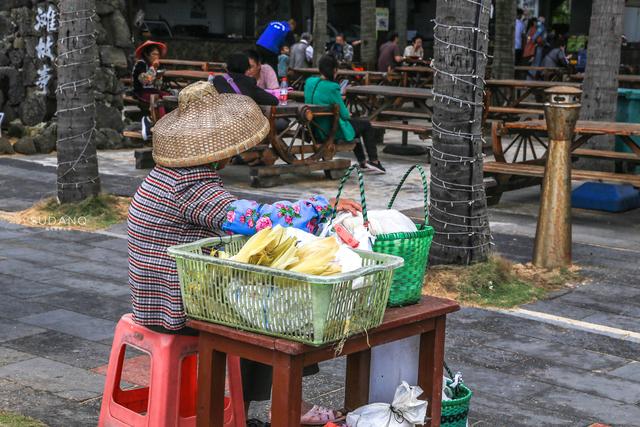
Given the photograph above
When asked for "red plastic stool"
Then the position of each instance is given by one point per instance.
(171, 398)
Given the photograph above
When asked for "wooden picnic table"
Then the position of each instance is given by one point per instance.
(416, 76)
(298, 143)
(366, 98)
(288, 358)
(374, 101)
(202, 65)
(549, 73)
(354, 76)
(186, 75)
(521, 163)
(624, 80)
(507, 90)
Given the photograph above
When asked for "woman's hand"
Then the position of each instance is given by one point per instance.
(346, 205)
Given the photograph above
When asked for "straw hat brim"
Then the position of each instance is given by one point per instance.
(207, 128)
(163, 48)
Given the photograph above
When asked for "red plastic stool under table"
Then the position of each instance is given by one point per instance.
(171, 398)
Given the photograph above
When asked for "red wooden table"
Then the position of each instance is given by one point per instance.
(288, 358)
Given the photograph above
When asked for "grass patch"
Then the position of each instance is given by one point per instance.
(497, 282)
(8, 419)
(90, 214)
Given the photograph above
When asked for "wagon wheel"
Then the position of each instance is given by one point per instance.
(525, 147)
(299, 143)
(359, 106)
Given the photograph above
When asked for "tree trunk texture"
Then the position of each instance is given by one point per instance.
(401, 22)
(368, 33)
(77, 58)
(600, 87)
(458, 209)
(504, 43)
(319, 29)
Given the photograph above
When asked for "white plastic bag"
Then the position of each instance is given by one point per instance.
(405, 411)
(389, 221)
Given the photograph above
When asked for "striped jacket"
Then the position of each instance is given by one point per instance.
(180, 205)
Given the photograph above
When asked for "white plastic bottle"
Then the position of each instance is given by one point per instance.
(284, 91)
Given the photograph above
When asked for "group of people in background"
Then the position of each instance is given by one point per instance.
(253, 73)
(535, 45)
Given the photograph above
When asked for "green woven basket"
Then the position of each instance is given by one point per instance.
(455, 412)
(300, 307)
(412, 247)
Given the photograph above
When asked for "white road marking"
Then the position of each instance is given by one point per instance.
(621, 334)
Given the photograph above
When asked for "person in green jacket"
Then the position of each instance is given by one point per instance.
(324, 90)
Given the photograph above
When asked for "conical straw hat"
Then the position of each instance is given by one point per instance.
(206, 127)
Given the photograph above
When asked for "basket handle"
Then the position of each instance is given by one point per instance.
(363, 200)
(425, 189)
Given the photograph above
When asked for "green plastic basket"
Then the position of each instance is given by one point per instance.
(412, 247)
(455, 412)
(300, 307)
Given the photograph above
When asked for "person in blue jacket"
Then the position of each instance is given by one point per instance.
(270, 42)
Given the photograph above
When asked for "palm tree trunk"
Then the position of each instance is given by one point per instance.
(77, 57)
(401, 22)
(458, 209)
(319, 29)
(600, 87)
(503, 48)
(368, 34)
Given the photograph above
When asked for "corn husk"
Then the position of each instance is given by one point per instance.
(271, 247)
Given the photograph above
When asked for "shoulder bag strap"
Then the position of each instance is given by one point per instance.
(231, 83)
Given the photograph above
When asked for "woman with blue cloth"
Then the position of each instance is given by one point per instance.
(183, 199)
(270, 42)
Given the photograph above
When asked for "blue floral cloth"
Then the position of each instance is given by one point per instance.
(247, 217)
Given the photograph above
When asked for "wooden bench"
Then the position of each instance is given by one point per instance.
(513, 176)
(133, 134)
(423, 131)
(537, 171)
(405, 114)
(515, 111)
(613, 155)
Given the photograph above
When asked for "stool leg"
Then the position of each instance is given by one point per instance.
(430, 369)
(286, 398)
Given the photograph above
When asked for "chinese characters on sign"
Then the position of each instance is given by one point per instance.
(45, 20)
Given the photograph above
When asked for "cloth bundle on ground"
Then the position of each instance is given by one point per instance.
(405, 410)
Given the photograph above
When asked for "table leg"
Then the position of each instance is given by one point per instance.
(430, 369)
(357, 382)
(629, 142)
(211, 376)
(286, 395)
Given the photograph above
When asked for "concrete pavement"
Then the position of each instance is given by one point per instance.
(63, 291)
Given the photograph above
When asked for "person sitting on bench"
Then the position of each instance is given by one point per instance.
(147, 78)
(324, 90)
(235, 81)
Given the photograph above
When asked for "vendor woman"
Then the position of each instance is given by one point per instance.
(147, 77)
(183, 200)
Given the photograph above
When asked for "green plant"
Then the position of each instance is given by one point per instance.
(8, 419)
(94, 212)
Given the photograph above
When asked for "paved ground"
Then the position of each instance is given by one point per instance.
(63, 292)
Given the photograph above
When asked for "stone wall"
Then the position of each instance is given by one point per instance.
(30, 114)
(216, 50)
